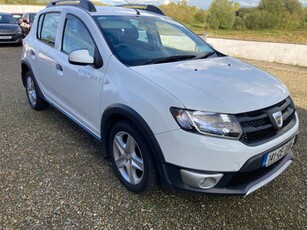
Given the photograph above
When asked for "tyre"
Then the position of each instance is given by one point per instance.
(35, 101)
(131, 158)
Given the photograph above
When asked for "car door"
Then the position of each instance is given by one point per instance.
(79, 86)
(42, 53)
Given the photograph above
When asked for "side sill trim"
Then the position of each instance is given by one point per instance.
(73, 119)
(269, 179)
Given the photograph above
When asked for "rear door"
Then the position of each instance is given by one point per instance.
(42, 52)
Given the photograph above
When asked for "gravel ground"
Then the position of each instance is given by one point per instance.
(52, 176)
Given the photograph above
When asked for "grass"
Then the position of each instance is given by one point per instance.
(286, 36)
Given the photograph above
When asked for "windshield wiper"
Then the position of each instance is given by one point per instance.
(170, 59)
(209, 54)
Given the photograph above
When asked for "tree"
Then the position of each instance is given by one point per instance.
(287, 13)
(239, 24)
(180, 11)
(260, 19)
(293, 6)
(244, 12)
(294, 16)
(276, 7)
(200, 16)
(236, 6)
(222, 14)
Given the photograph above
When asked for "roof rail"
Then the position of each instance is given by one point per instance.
(84, 4)
(146, 7)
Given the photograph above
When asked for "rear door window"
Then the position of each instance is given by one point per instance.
(47, 28)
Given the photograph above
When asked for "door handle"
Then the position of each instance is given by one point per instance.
(59, 67)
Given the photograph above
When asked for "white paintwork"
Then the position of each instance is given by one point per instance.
(81, 57)
(224, 85)
(152, 102)
(209, 153)
(294, 54)
(216, 85)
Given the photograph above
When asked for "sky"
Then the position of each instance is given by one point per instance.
(199, 3)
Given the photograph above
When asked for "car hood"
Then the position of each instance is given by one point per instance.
(7, 26)
(224, 85)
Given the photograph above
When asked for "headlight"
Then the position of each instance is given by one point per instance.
(207, 123)
(19, 31)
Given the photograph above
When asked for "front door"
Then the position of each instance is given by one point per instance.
(79, 87)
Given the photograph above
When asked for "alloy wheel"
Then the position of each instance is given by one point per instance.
(31, 91)
(128, 158)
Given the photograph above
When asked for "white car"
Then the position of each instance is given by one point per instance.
(169, 108)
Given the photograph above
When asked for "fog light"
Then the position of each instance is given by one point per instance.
(208, 182)
(200, 180)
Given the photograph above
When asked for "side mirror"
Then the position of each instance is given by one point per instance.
(80, 57)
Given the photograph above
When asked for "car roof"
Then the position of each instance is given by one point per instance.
(107, 11)
(94, 10)
(114, 10)
(5, 13)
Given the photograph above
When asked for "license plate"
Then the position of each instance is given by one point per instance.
(5, 37)
(277, 154)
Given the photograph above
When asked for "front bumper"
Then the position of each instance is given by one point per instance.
(230, 166)
(242, 182)
(16, 39)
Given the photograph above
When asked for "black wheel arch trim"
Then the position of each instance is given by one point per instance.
(25, 62)
(117, 112)
(24, 71)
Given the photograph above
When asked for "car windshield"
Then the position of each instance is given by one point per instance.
(137, 40)
(17, 16)
(7, 19)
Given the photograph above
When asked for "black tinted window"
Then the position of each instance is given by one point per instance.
(6, 18)
(150, 40)
(39, 27)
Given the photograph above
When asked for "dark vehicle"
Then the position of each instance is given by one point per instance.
(10, 32)
(27, 20)
(17, 17)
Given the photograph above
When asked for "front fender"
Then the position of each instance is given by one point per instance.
(117, 112)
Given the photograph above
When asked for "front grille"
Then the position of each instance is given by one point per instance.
(257, 126)
(243, 178)
(8, 32)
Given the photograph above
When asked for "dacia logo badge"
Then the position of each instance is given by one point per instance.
(278, 119)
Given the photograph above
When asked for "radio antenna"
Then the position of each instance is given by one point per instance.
(137, 12)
